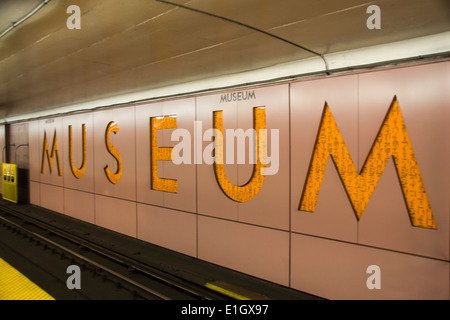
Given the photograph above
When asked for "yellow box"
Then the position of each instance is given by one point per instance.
(9, 182)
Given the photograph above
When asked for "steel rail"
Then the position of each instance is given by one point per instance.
(147, 270)
(90, 261)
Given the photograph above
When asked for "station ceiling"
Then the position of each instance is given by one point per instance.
(130, 46)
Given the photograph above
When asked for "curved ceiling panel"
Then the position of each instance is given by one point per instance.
(130, 46)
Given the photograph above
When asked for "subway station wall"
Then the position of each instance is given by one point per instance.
(3, 148)
(376, 163)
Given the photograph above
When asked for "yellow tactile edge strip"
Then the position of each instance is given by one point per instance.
(232, 291)
(15, 286)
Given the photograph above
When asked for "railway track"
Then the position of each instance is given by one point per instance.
(106, 273)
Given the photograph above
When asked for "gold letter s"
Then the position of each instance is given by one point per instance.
(113, 177)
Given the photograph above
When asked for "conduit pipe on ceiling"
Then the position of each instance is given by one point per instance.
(24, 18)
(251, 28)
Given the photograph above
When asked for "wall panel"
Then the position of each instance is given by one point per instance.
(51, 174)
(35, 150)
(145, 193)
(86, 180)
(35, 193)
(79, 205)
(52, 197)
(171, 229)
(338, 270)
(333, 216)
(124, 142)
(211, 200)
(271, 206)
(425, 109)
(116, 214)
(258, 251)
(184, 173)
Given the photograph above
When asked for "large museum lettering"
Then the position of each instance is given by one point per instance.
(392, 141)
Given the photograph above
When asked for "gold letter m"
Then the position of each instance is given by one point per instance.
(50, 156)
(392, 140)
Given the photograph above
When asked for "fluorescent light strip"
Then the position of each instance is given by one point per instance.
(424, 46)
(417, 47)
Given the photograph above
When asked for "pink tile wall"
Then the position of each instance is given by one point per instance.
(50, 127)
(384, 235)
(338, 270)
(86, 182)
(425, 107)
(79, 205)
(172, 229)
(326, 252)
(144, 192)
(334, 216)
(2, 147)
(116, 214)
(211, 200)
(259, 251)
(35, 149)
(52, 197)
(185, 174)
(125, 142)
(271, 206)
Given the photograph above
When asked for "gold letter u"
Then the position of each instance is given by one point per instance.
(78, 173)
(248, 191)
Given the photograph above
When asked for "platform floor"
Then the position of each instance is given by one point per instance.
(235, 284)
(15, 286)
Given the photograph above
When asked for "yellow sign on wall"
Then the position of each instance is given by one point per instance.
(9, 182)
